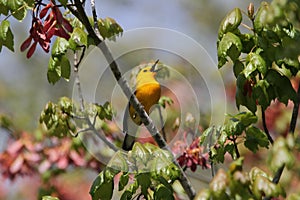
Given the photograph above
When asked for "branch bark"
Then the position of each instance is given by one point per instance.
(132, 98)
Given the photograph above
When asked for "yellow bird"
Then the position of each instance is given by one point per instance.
(148, 93)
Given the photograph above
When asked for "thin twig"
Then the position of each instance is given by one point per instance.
(162, 123)
(82, 131)
(263, 116)
(236, 148)
(295, 112)
(82, 106)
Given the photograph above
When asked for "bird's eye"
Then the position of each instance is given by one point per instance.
(145, 70)
(134, 116)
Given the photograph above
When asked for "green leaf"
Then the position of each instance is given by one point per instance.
(18, 8)
(232, 127)
(238, 67)
(49, 198)
(54, 71)
(263, 186)
(123, 181)
(6, 36)
(109, 28)
(217, 154)
(248, 42)
(140, 154)
(231, 22)
(236, 165)
(231, 150)
(254, 62)
(219, 184)
(230, 45)
(127, 195)
(58, 67)
(247, 118)
(163, 193)
(3, 7)
(118, 162)
(144, 181)
(283, 88)
(102, 187)
(60, 47)
(281, 154)
(242, 96)
(65, 68)
(164, 101)
(260, 17)
(260, 92)
(255, 138)
(78, 38)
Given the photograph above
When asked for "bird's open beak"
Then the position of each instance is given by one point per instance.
(154, 65)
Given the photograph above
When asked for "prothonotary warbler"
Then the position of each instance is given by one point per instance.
(148, 93)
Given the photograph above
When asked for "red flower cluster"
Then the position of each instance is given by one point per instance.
(42, 32)
(194, 156)
(19, 158)
(26, 157)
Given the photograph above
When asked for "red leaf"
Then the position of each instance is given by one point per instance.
(31, 50)
(44, 166)
(15, 147)
(53, 155)
(77, 159)
(32, 157)
(63, 163)
(17, 164)
(26, 44)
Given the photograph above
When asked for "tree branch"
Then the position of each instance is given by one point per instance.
(132, 98)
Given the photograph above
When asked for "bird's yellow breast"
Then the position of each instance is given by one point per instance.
(148, 95)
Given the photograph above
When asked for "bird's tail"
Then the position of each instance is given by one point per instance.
(129, 129)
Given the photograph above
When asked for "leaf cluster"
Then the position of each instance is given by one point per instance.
(146, 170)
(57, 118)
(264, 59)
(240, 128)
(238, 184)
(17, 9)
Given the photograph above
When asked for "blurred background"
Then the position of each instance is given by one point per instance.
(24, 89)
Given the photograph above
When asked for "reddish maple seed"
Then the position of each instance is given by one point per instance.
(31, 50)
(194, 156)
(42, 32)
(67, 25)
(45, 10)
(26, 44)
